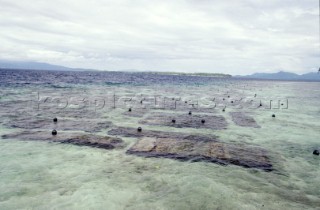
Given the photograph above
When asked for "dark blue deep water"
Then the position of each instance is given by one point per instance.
(25, 77)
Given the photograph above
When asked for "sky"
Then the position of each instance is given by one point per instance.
(235, 36)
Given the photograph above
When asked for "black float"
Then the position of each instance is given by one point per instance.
(54, 132)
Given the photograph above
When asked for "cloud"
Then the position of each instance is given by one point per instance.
(237, 37)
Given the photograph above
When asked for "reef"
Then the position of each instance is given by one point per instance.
(243, 120)
(132, 132)
(194, 148)
(88, 125)
(215, 122)
(105, 142)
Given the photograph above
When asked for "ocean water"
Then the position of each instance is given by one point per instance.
(37, 174)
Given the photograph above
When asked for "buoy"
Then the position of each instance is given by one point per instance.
(54, 132)
(129, 110)
(316, 152)
(173, 121)
(55, 119)
(190, 112)
(203, 121)
(273, 115)
(139, 129)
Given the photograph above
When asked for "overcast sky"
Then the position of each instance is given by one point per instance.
(227, 36)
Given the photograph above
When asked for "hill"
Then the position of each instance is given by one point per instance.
(283, 76)
(31, 66)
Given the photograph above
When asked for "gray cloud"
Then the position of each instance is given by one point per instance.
(237, 37)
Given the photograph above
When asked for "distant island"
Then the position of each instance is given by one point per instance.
(192, 74)
(22, 65)
(30, 65)
(282, 75)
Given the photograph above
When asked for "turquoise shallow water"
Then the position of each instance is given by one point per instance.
(44, 175)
